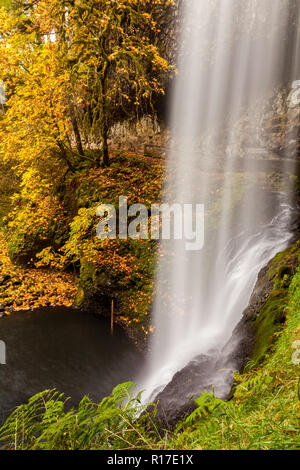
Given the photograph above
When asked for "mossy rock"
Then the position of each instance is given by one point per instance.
(80, 298)
(269, 322)
(266, 313)
(22, 248)
(87, 276)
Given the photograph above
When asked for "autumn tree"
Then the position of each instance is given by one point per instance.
(113, 62)
(35, 129)
(70, 66)
(36, 122)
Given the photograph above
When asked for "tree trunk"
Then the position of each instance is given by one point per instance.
(77, 136)
(104, 119)
(105, 154)
(75, 127)
(64, 156)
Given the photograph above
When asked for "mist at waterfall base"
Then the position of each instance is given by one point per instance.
(233, 54)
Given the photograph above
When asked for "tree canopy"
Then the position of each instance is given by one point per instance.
(71, 69)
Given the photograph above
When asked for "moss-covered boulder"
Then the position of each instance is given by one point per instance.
(265, 316)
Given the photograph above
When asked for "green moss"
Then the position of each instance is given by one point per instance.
(87, 275)
(26, 241)
(284, 262)
(80, 298)
(269, 322)
(272, 315)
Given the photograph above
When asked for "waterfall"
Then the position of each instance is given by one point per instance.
(232, 59)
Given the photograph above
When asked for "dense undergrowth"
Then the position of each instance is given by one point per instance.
(51, 225)
(263, 414)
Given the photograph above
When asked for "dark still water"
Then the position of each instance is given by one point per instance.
(64, 349)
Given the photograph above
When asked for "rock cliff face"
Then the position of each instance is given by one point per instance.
(202, 373)
(251, 340)
(265, 315)
(282, 125)
(149, 136)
